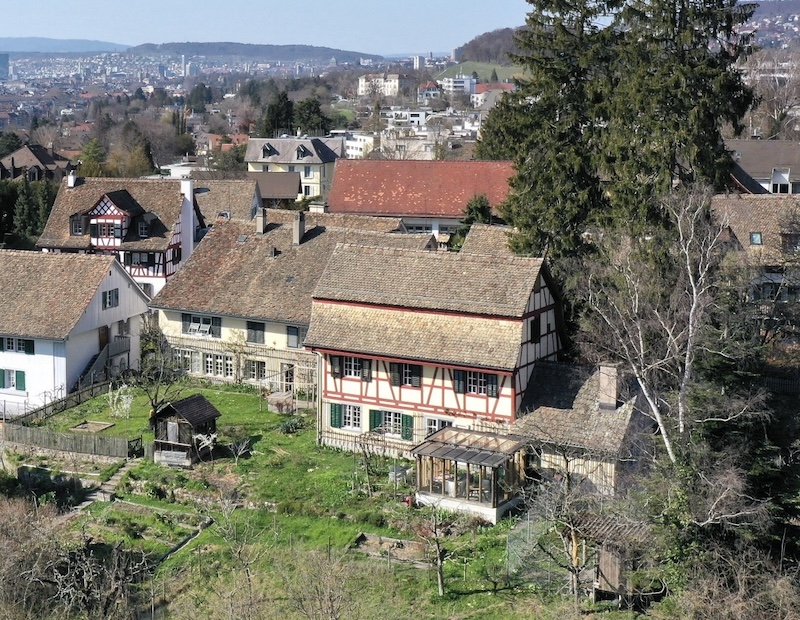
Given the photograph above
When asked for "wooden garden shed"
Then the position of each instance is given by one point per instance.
(183, 429)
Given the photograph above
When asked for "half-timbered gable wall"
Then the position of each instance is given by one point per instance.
(541, 338)
(108, 225)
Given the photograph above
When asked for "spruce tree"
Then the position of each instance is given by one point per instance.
(25, 212)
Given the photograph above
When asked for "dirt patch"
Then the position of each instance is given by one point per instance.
(87, 426)
(401, 550)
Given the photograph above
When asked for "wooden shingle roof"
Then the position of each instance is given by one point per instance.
(236, 272)
(486, 239)
(469, 341)
(237, 197)
(564, 409)
(44, 295)
(162, 198)
(442, 281)
(409, 188)
(767, 214)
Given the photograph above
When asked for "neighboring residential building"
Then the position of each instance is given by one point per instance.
(279, 190)
(489, 93)
(63, 318)
(404, 356)
(35, 163)
(385, 84)
(228, 198)
(427, 91)
(244, 318)
(312, 158)
(406, 144)
(579, 420)
(430, 196)
(360, 145)
(149, 225)
(765, 166)
(459, 85)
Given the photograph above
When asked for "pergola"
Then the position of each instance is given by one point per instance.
(471, 470)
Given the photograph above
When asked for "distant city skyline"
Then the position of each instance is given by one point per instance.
(410, 27)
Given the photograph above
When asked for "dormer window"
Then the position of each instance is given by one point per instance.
(755, 238)
(302, 151)
(76, 226)
(268, 150)
(144, 229)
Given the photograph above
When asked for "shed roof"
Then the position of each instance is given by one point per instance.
(195, 409)
(473, 447)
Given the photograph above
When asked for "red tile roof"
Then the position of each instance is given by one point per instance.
(416, 188)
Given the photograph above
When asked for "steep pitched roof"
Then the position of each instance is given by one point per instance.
(564, 406)
(32, 155)
(406, 188)
(460, 340)
(293, 150)
(236, 272)
(44, 295)
(767, 214)
(486, 284)
(195, 409)
(234, 196)
(486, 239)
(162, 198)
(277, 185)
(759, 157)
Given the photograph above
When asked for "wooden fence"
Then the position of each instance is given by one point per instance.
(50, 409)
(117, 447)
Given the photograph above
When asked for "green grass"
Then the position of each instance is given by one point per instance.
(483, 69)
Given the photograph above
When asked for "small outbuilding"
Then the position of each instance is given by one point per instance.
(185, 431)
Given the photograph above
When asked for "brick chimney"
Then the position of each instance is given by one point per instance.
(298, 228)
(607, 391)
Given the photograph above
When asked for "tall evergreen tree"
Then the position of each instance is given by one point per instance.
(25, 212)
(278, 118)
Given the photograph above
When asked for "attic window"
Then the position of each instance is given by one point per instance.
(76, 226)
(302, 151)
(242, 238)
(144, 229)
(755, 238)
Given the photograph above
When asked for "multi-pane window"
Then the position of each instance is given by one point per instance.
(307, 173)
(392, 422)
(435, 424)
(219, 364)
(110, 298)
(405, 374)
(256, 370)
(77, 226)
(109, 229)
(144, 229)
(228, 366)
(473, 382)
(209, 365)
(18, 345)
(351, 416)
(255, 332)
(12, 380)
(352, 367)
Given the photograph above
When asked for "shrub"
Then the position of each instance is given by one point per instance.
(291, 426)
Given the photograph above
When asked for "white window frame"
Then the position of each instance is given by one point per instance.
(308, 173)
(392, 423)
(476, 382)
(144, 229)
(351, 367)
(436, 424)
(110, 298)
(351, 417)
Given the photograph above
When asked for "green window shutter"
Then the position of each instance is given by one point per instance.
(2, 378)
(93, 230)
(491, 385)
(366, 370)
(459, 381)
(406, 427)
(416, 376)
(375, 419)
(2, 344)
(336, 365)
(336, 415)
(394, 374)
(127, 260)
(29, 347)
(21, 380)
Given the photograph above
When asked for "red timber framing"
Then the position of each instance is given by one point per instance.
(436, 395)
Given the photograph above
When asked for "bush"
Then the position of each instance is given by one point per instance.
(291, 426)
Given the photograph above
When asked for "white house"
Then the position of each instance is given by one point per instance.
(62, 318)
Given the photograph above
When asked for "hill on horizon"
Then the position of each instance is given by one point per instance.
(289, 53)
(44, 45)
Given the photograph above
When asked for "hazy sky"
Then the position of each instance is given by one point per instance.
(370, 26)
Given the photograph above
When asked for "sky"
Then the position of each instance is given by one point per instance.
(367, 26)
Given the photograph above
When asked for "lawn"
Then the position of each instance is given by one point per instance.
(284, 500)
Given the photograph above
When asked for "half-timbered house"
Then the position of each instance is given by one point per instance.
(63, 318)
(412, 342)
(245, 318)
(150, 225)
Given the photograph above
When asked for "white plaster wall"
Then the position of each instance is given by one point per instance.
(44, 372)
